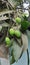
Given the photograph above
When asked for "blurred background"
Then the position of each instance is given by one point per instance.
(23, 60)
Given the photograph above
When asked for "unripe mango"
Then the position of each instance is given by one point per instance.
(11, 31)
(7, 40)
(18, 33)
(18, 20)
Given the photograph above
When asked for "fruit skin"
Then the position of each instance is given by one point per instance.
(11, 31)
(17, 33)
(7, 40)
(18, 20)
(24, 25)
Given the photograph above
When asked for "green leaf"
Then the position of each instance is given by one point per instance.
(24, 25)
(12, 60)
(25, 42)
(17, 50)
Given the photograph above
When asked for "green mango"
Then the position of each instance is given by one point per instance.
(11, 31)
(18, 33)
(7, 40)
(18, 20)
